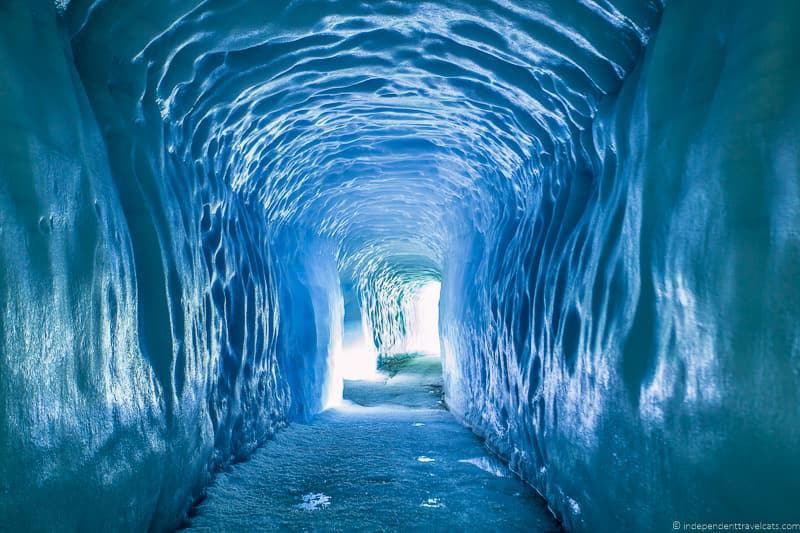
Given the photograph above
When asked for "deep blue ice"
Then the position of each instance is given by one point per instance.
(210, 208)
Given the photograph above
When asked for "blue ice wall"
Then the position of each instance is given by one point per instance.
(139, 332)
(640, 364)
(311, 308)
(83, 411)
(606, 190)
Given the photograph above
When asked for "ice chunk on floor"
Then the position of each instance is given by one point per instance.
(432, 503)
(314, 501)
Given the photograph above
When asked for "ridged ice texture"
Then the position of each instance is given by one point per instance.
(634, 343)
(181, 181)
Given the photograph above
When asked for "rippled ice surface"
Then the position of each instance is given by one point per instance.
(358, 468)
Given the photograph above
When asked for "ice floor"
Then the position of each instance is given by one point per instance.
(391, 459)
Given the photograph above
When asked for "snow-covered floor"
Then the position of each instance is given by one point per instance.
(390, 459)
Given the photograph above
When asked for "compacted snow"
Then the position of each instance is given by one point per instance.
(359, 467)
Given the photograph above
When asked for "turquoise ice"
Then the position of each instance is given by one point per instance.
(211, 211)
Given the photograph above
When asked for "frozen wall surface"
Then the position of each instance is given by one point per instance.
(607, 191)
(638, 356)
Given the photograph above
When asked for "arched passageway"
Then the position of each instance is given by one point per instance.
(196, 197)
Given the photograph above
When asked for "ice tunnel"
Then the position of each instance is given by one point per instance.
(199, 199)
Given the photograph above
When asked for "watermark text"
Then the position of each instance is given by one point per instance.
(677, 525)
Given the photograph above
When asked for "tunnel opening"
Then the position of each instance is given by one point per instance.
(421, 316)
(405, 318)
(379, 323)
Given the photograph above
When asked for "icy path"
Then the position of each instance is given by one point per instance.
(391, 459)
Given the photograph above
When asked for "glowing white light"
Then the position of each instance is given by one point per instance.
(422, 319)
(333, 388)
(356, 357)
(353, 354)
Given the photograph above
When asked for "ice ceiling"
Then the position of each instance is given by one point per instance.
(390, 128)
(195, 190)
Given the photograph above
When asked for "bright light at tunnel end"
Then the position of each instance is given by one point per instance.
(423, 321)
(355, 357)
